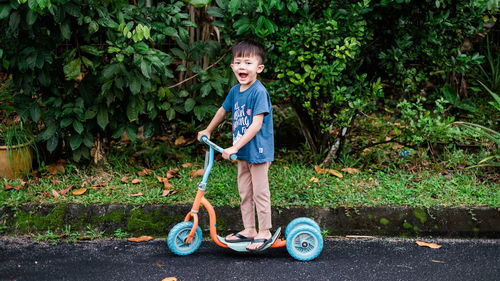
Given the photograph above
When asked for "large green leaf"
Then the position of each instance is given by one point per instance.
(189, 104)
(132, 110)
(31, 17)
(199, 3)
(78, 126)
(102, 117)
(72, 69)
(75, 141)
(234, 5)
(4, 10)
(52, 143)
(65, 30)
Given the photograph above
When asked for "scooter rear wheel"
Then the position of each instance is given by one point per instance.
(301, 221)
(176, 240)
(304, 243)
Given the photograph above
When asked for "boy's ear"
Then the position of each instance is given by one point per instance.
(260, 68)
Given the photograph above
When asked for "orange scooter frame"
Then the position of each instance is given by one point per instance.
(305, 241)
(201, 200)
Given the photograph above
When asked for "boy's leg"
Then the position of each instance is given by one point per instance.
(262, 198)
(247, 204)
(261, 193)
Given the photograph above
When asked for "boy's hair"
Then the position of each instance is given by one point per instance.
(249, 47)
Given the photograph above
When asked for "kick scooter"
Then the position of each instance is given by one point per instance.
(303, 242)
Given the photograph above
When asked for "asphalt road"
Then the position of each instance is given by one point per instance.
(342, 259)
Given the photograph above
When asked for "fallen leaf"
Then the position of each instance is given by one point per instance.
(135, 181)
(54, 181)
(437, 261)
(144, 172)
(124, 179)
(79, 191)
(313, 179)
(169, 279)
(140, 239)
(197, 173)
(166, 192)
(186, 165)
(64, 191)
(8, 186)
(335, 173)
(136, 194)
(167, 185)
(161, 179)
(388, 138)
(350, 170)
(180, 141)
(430, 245)
(96, 186)
(56, 195)
(159, 265)
(172, 173)
(56, 168)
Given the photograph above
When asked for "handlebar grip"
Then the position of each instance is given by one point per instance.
(233, 157)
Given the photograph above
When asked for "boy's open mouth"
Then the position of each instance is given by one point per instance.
(243, 75)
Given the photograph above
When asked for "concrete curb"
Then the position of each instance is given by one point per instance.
(479, 222)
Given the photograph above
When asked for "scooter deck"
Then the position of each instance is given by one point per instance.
(242, 246)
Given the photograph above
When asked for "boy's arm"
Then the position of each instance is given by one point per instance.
(218, 118)
(252, 130)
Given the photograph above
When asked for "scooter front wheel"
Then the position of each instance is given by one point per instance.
(304, 243)
(176, 240)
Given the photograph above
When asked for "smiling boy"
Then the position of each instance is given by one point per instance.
(253, 142)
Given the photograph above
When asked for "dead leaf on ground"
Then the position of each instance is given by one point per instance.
(144, 172)
(56, 168)
(124, 179)
(136, 194)
(180, 141)
(79, 191)
(333, 172)
(64, 191)
(169, 279)
(437, 261)
(350, 170)
(313, 179)
(136, 181)
(54, 181)
(197, 173)
(16, 187)
(159, 265)
(186, 165)
(172, 173)
(55, 193)
(430, 245)
(141, 239)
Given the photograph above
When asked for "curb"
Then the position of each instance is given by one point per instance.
(477, 222)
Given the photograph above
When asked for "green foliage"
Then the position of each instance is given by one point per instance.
(423, 126)
(319, 71)
(102, 69)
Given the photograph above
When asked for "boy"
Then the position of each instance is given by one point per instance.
(253, 142)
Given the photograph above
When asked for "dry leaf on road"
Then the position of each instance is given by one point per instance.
(430, 245)
(169, 279)
(140, 239)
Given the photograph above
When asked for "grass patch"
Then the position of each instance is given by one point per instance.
(415, 180)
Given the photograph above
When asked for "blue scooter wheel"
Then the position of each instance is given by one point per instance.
(299, 221)
(304, 243)
(177, 237)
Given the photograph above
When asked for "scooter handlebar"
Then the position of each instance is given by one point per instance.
(216, 147)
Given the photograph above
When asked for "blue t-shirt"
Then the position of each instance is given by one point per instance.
(243, 106)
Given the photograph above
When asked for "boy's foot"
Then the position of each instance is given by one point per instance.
(260, 241)
(245, 235)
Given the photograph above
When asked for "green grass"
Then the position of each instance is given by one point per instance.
(415, 181)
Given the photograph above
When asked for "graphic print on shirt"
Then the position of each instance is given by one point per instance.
(241, 121)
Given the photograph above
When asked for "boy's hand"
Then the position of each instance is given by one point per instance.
(226, 153)
(203, 133)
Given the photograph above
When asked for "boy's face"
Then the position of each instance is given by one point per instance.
(246, 69)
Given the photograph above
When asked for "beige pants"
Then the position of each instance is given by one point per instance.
(253, 186)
